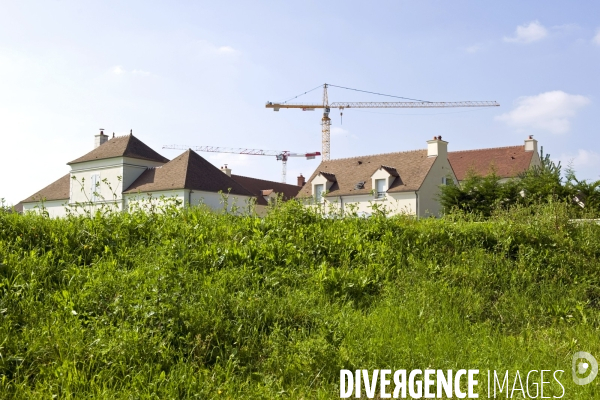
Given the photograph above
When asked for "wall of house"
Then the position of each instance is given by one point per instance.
(155, 200)
(429, 204)
(393, 203)
(55, 208)
(216, 201)
(133, 168)
(120, 173)
(81, 179)
(535, 160)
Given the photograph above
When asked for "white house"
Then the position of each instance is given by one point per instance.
(124, 172)
(408, 182)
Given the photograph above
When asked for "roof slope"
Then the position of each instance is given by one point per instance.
(187, 171)
(122, 146)
(57, 190)
(507, 161)
(411, 166)
(256, 187)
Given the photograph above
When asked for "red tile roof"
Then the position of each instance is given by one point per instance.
(508, 162)
(122, 146)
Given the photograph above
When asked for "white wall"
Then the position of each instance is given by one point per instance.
(393, 203)
(55, 208)
(155, 200)
(133, 168)
(120, 173)
(430, 189)
(216, 201)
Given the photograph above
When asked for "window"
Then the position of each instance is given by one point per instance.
(447, 181)
(379, 188)
(319, 192)
(95, 187)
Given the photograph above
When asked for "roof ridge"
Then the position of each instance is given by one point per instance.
(117, 137)
(188, 152)
(378, 154)
(487, 148)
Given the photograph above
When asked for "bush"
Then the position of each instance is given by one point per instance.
(482, 195)
(194, 304)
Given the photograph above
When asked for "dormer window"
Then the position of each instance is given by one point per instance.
(319, 189)
(380, 188)
(321, 184)
(382, 180)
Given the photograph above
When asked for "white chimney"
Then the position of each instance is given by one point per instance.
(531, 144)
(226, 170)
(437, 147)
(100, 138)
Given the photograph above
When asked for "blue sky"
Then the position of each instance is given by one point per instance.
(199, 73)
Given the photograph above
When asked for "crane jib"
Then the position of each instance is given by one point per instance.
(394, 104)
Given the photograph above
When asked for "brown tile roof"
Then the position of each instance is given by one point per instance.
(122, 146)
(328, 175)
(19, 208)
(58, 190)
(187, 171)
(508, 161)
(411, 166)
(259, 186)
(390, 170)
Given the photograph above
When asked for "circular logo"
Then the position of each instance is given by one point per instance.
(584, 364)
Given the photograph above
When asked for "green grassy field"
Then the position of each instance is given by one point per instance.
(192, 304)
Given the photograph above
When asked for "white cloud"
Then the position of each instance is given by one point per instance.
(529, 33)
(118, 70)
(226, 50)
(566, 28)
(584, 162)
(473, 49)
(586, 158)
(549, 111)
(597, 38)
(208, 48)
(140, 72)
(336, 130)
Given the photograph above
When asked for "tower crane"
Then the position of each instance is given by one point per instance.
(279, 155)
(326, 106)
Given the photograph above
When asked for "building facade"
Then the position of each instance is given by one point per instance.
(408, 182)
(122, 172)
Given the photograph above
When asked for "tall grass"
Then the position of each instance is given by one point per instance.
(193, 304)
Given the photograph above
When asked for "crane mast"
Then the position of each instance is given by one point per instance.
(279, 155)
(326, 106)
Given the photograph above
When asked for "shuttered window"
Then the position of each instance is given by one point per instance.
(95, 187)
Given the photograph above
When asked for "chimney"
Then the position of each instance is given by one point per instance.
(301, 180)
(531, 144)
(100, 138)
(437, 147)
(226, 170)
